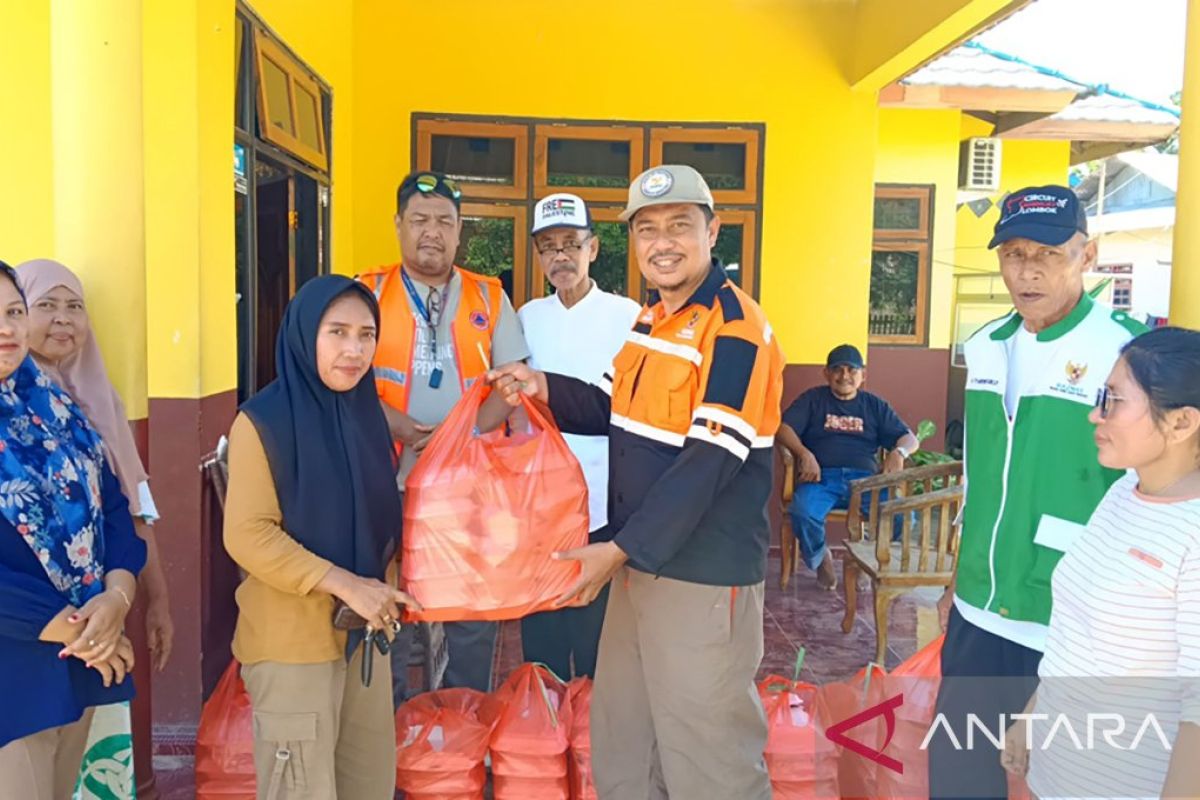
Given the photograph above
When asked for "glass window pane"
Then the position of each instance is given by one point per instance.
(476, 159)
(587, 162)
(729, 250)
(722, 165)
(897, 213)
(275, 83)
(611, 265)
(308, 118)
(486, 247)
(894, 276)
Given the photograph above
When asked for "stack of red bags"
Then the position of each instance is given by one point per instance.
(801, 761)
(441, 744)
(531, 733)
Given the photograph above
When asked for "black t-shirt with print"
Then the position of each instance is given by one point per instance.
(844, 433)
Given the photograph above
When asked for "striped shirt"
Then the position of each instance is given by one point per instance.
(1124, 639)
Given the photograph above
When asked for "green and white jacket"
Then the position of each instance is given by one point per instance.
(1033, 480)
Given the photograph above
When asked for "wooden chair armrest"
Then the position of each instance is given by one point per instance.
(789, 474)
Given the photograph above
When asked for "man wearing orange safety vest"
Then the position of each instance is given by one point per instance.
(440, 328)
(690, 407)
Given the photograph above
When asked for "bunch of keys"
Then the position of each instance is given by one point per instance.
(380, 641)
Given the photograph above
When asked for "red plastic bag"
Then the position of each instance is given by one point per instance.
(441, 744)
(483, 514)
(1017, 790)
(225, 742)
(917, 679)
(857, 771)
(530, 737)
(579, 767)
(801, 762)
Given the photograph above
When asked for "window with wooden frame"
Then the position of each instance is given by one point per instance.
(726, 157)
(596, 162)
(290, 110)
(736, 247)
(900, 264)
(490, 160)
(494, 241)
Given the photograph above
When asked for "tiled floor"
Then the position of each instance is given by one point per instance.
(803, 615)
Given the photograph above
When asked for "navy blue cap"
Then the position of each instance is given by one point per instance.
(1045, 214)
(844, 354)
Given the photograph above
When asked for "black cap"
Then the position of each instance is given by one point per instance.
(1046, 214)
(844, 354)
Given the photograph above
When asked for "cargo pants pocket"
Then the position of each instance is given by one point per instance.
(292, 736)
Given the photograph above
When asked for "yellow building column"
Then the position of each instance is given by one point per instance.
(99, 200)
(1185, 257)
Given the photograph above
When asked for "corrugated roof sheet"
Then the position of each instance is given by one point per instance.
(1105, 107)
(978, 68)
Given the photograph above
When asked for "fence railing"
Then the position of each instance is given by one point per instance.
(883, 323)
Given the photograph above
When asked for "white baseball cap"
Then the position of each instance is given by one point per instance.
(560, 210)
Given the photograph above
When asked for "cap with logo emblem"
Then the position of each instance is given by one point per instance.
(670, 183)
(560, 210)
(1045, 214)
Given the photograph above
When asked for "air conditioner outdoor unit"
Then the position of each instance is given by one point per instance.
(979, 165)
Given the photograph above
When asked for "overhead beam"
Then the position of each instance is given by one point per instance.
(889, 43)
(1082, 151)
(986, 98)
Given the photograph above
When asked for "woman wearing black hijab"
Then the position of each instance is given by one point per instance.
(313, 516)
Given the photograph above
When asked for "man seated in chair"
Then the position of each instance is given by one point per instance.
(835, 432)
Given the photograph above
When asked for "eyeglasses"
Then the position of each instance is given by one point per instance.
(1105, 400)
(570, 249)
(428, 182)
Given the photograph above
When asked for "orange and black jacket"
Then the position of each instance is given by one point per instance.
(690, 407)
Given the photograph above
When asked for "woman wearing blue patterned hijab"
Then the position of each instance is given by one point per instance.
(68, 565)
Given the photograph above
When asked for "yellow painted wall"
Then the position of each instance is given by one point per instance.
(778, 62)
(1023, 163)
(26, 160)
(762, 61)
(189, 101)
(188, 129)
(920, 146)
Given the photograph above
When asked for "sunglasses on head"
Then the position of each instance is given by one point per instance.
(429, 183)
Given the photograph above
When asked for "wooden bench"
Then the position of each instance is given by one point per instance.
(927, 500)
(789, 546)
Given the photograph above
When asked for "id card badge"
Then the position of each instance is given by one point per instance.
(435, 378)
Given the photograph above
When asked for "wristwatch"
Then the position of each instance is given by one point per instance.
(903, 453)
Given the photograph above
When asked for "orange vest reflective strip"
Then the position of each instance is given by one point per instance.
(470, 331)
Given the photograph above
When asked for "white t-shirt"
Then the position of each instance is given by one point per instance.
(581, 342)
(1124, 638)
